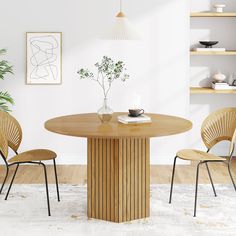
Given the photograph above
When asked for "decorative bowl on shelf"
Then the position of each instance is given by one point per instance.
(208, 44)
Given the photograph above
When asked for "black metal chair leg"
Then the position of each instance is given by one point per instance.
(172, 180)
(46, 183)
(55, 170)
(4, 181)
(9, 188)
(196, 189)
(209, 173)
(231, 177)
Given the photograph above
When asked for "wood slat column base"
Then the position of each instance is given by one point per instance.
(118, 179)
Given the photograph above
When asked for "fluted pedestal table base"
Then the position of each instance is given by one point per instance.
(118, 179)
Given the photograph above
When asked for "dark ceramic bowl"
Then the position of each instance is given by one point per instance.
(208, 44)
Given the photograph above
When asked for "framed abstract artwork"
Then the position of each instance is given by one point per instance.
(43, 58)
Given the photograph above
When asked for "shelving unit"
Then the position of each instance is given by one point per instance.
(197, 90)
(200, 90)
(213, 14)
(226, 53)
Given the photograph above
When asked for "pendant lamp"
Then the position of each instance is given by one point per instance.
(122, 28)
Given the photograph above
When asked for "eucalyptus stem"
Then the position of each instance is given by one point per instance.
(108, 89)
(107, 72)
(103, 86)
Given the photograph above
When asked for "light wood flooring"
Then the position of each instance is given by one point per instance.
(160, 174)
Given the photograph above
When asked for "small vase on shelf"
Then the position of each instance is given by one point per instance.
(219, 77)
(219, 7)
(105, 112)
(232, 79)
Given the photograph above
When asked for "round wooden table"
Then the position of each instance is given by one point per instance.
(118, 166)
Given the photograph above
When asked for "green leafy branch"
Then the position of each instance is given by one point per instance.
(4, 66)
(108, 71)
(5, 97)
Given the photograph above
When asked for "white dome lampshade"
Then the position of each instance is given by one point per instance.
(122, 29)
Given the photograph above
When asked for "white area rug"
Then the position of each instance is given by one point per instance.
(25, 213)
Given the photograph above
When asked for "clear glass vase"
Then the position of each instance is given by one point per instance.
(105, 112)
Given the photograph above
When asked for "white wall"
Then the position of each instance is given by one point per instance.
(203, 67)
(158, 66)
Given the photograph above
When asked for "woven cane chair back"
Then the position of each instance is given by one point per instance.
(11, 129)
(3, 145)
(218, 126)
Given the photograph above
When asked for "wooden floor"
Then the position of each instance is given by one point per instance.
(160, 174)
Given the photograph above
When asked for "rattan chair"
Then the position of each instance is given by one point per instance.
(11, 136)
(218, 126)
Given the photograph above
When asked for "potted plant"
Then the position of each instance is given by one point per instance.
(107, 72)
(5, 97)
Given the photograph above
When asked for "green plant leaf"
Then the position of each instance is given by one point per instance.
(5, 100)
(5, 97)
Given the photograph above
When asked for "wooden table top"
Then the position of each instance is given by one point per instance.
(88, 125)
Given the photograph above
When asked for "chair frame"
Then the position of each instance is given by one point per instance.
(197, 177)
(11, 136)
(227, 162)
(45, 176)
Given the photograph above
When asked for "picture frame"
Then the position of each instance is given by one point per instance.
(43, 58)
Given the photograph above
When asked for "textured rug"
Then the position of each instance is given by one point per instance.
(25, 213)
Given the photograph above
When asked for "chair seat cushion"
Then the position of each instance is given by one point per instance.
(196, 155)
(34, 155)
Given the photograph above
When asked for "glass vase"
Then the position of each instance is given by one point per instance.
(105, 112)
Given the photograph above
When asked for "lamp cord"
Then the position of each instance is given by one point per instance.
(120, 5)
